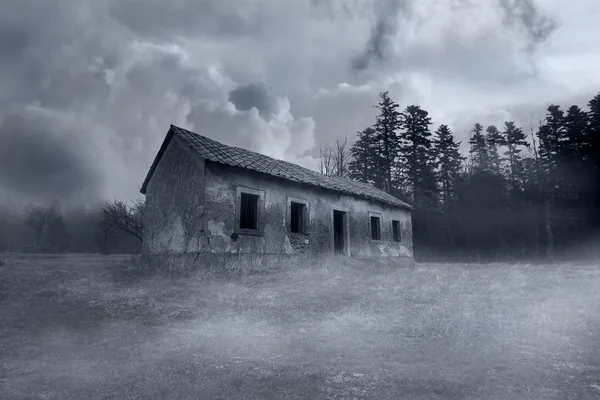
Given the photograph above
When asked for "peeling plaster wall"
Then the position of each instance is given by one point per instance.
(173, 219)
(190, 207)
(220, 198)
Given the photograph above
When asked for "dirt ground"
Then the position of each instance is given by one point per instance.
(335, 331)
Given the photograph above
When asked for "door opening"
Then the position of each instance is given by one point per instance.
(339, 232)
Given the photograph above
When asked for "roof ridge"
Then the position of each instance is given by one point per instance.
(254, 152)
(216, 151)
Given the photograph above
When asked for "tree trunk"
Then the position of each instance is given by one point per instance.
(536, 234)
(38, 239)
(549, 233)
(105, 242)
(449, 238)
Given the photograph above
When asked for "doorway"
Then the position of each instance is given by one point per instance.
(340, 238)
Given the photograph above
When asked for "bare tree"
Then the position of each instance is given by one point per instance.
(36, 218)
(103, 238)
(117, 216)
(57, 237)
(341, 157)
(327, 164)
(335, 159)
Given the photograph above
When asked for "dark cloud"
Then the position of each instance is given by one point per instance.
(256, 94)
(537, 24)
(256, 119)
(106, 78)
(57, 53)
(38, 163)
(387, 13)
(13, 41)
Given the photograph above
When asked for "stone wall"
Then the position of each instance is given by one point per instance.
(220, 198)
(173, 220)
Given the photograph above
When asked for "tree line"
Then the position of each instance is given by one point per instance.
(515, 195)
(114, 227)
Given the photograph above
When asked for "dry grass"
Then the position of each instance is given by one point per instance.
(331, 331)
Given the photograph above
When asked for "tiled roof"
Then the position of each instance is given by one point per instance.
(220, 153)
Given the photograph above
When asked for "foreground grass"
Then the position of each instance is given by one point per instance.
(452, 331)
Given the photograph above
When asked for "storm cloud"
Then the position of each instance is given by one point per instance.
(39, 161)
(89, 88)
(255, 94)
(537, 24)
(387, 18)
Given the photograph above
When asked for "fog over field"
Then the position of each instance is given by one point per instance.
(335, 330)
(483, 116)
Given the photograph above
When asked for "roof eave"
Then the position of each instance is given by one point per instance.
(159, 155)
(173, 130)
(403, 205)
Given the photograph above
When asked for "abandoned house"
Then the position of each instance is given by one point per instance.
(206, 197)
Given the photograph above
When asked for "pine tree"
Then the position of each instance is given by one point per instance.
(448, 166)
(552, 139)
(417, 163)
(386, 134)
(364, 155)
(494, 141)
(515, 139)
(576, 133)
(448, 161)
(593, 150)
(575, 159)
(479, 149)
(416, 155)
(594, 133)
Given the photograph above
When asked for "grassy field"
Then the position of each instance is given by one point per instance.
(435, 331)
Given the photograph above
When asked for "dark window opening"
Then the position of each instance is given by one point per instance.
(249, 211)
(297, 217)
(375, 229)
(396, 230)
(339, 232)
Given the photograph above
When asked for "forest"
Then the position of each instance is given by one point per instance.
(519, 194)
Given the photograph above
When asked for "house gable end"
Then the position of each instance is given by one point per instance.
(157, 159)
(171, 136)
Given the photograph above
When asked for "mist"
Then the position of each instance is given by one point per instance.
(495, 146)
(446, 331)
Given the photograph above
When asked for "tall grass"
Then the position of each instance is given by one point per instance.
(338, 328)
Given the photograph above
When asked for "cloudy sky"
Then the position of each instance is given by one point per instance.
(89, 87)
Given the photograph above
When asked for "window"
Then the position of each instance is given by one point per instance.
(298, 215)
(375, 228)
(249, 211)
(396, 230)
